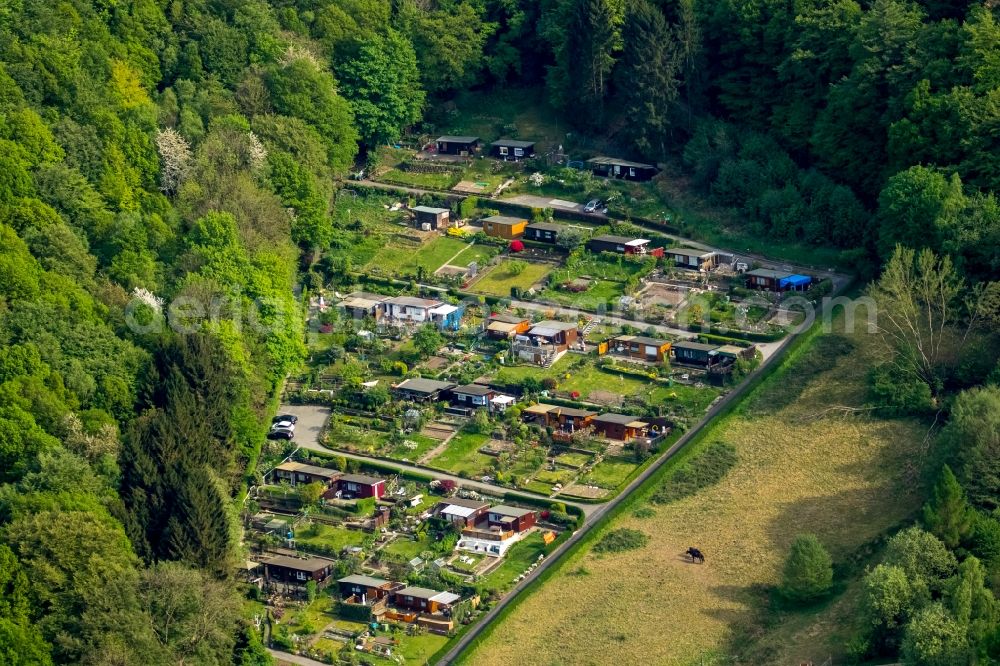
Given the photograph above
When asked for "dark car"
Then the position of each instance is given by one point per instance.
(285, 417)
(280, 433)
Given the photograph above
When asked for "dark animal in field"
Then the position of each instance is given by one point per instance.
(695, 555)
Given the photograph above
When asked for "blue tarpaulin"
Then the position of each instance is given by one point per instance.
(794, 282)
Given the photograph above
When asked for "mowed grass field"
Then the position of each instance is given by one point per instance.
(398, 258)
(801, 468)
(499, 280)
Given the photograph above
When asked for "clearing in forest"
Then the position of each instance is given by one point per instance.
(801, 468)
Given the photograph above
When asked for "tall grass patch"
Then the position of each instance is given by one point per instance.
(703, 470)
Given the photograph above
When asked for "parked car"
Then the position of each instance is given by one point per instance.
(285, 417)
(595, 206)
(280, 433)
(283, 425)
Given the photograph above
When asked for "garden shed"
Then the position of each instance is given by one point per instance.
(456, 145)
(433, 217)
(512, 149)
(613, 167)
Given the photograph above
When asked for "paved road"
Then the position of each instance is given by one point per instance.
(312, 420)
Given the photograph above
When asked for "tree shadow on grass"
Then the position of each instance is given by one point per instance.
(785, 388)
(853, 525)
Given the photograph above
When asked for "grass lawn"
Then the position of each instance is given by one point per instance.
(498, 281)
(311, 618)
(799, 469)
(696, 400)
(328, 646)
(419, 648)
(581, 374)
(354, 438)
(332, 537)
(399, 257)
(362, 243)
(517, 560)
(477, 252)
(609, 473)
(408, 548)
(466, 567)
(462, 455)
(552, 477)
(573, 459)
(537, 487)
(599, 292)
(424, 444)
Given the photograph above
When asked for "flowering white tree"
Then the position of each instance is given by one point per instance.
(149, 298)
(295, 52)
(175, 153)
(256, 152)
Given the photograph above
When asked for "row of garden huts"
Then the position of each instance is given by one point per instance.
(516, 149)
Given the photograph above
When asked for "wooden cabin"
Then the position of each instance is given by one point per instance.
(702, 260)
(512, 149)
(564, 419)
(542, 232)
(365, 589)
(361, 304)
(296, 474)
(472, 395)
(456, 145)
(423, 599)
(694, 353)
(298, 570)
(640, 348)
(622, 245)
(511, 518)
(361, 486)
(621, 427)
(418, 389)
(612, 167)
(501, 226)
(433, 218)
(545, 340)
(506, 326)
(461, 512)
(764, 278)
(411, 308)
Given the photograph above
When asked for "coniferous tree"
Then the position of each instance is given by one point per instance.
(647, 77)
(947, 514)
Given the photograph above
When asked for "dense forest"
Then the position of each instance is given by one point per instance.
(156, 152)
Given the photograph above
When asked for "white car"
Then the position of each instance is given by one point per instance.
(283, 425)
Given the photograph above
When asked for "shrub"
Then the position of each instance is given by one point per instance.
(705, 469)
(898, 393)
(808, 571)
(617, 541)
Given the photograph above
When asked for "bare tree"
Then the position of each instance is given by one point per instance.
(926, 312)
